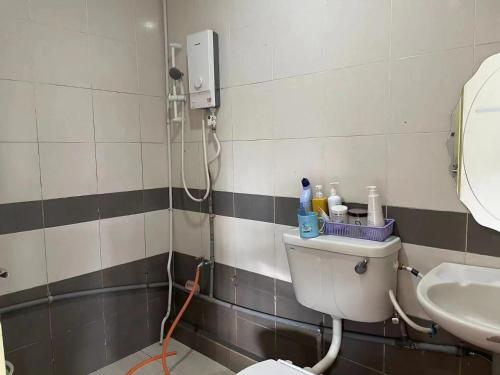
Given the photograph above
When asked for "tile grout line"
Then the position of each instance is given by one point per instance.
(139, 102)
(49, 309)
(387, 150)
(101, 276)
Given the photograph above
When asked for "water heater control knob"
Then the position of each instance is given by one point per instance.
(198, 82)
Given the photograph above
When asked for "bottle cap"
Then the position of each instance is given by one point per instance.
(318, 191)
(305, 182)
(339, 209)
(357, 212)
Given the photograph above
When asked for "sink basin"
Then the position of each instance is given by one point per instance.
(465, 301)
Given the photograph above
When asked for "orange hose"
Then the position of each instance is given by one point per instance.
(164, 354)
(147, 362)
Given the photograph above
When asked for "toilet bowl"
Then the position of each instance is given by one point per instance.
(347, 278)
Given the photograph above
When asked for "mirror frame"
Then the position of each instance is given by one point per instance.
(459, 121)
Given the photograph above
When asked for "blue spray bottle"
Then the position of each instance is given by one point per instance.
(306, 195)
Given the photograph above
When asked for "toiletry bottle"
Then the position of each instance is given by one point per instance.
(333, 199)
(338, 214)
(306, 195)
(319, 201)
(375, 215)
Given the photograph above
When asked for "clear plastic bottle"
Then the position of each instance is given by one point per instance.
(319, 201)
(375, 214)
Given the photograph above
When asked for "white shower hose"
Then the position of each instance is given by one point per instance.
(207, 192)
(206, 162)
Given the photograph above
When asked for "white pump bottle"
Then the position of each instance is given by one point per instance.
(375, 214)
(333, 199)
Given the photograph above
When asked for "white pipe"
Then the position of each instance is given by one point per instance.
(170, 237)
(169, 162)
(327, 361)
(411, 270)
(174, 86)
(405, 317)
(176, 98)
(217, 142)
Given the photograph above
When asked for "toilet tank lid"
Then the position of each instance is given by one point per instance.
(345, 245)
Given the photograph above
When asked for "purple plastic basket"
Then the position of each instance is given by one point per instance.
(360, 231)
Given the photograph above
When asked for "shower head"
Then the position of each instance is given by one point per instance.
(175, 74)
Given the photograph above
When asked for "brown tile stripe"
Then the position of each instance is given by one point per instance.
(441, 229)
(482, 240)
(256, 339)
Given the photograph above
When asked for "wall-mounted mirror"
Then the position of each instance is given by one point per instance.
(477, 144)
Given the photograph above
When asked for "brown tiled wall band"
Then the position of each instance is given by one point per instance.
(252, 337)
(440, 229)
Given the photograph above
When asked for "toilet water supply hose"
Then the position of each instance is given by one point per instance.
(164, 353)
(429, 330)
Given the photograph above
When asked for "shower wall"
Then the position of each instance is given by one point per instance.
(358, 91)
(83, 172)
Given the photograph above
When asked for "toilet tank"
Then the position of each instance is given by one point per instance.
(325, 277)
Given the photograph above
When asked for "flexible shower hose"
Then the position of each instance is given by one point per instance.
(164, 354)
(206, 162)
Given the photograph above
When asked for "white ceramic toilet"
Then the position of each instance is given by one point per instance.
(346, 278)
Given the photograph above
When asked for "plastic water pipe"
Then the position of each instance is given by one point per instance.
(407, 344)
(169, 162)
(429, 330)
(333, 352)
(405, 317)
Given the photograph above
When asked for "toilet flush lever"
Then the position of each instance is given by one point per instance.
(4, 273)
(361, 267)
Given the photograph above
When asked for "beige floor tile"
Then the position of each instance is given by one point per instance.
(186, 362)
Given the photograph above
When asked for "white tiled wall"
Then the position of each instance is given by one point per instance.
(82, 111)
(157, 234)
(68, 169)
(64, 114)
(357, 91)
(360, 91)
(122, 239)
(72, 250)
(17, 105)
(23, 255)
(424, 259)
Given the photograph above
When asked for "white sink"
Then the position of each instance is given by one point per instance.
(465, 301)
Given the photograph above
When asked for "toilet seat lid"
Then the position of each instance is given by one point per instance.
(271, 367)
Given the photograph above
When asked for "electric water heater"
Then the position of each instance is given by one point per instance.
(203, 69)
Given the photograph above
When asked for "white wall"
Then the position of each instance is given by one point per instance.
(81, 112)
(360, 91)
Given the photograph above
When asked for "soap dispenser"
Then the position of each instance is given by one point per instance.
(319, 201)
(375, 214)
(333, 199)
